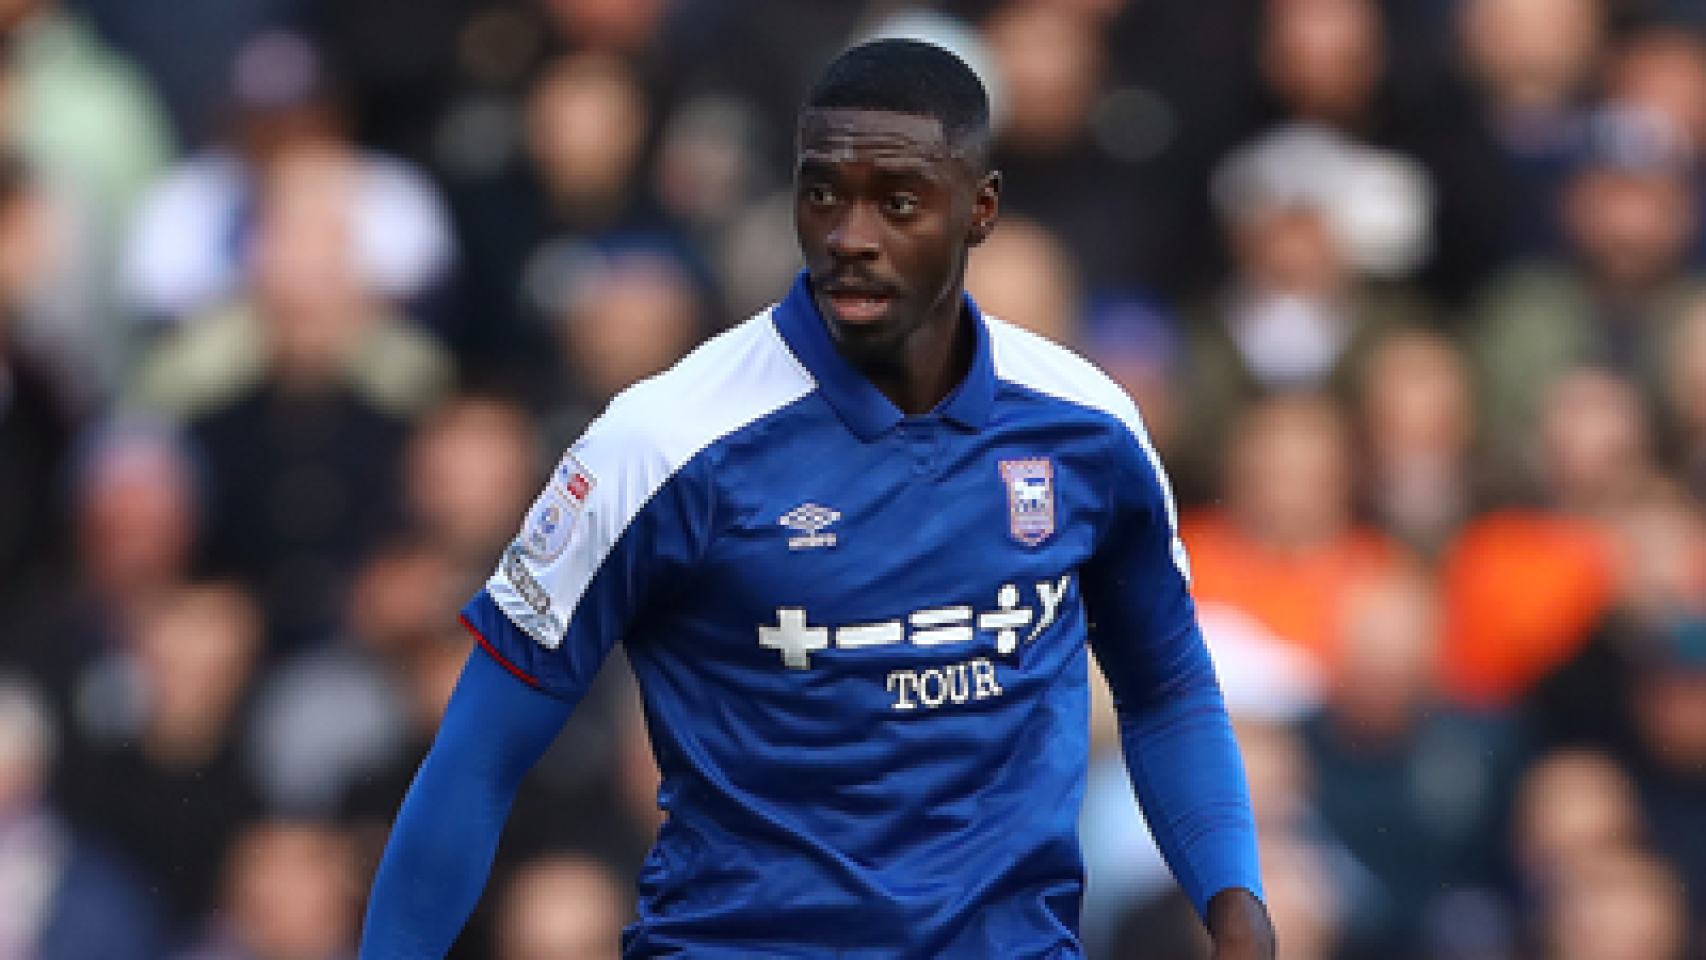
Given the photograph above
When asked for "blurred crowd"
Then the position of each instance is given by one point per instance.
(300, 298)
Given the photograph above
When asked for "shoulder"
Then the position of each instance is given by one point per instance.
(733, 380)
(1044, 367)
(1040, 365)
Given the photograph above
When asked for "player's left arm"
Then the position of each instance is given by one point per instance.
(1174, 728)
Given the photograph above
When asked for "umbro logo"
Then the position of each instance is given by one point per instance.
(809, 520)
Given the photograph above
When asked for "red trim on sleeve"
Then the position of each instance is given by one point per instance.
(503, 661)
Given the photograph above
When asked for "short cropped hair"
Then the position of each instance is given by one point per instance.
(911, 77)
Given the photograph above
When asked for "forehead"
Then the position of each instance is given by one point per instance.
(851, 136)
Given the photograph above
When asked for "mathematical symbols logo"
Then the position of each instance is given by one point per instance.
(1030, 499)
(809, 520)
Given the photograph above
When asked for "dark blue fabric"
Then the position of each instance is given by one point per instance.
(442, 843)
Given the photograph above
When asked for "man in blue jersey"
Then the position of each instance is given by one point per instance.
(856, 550)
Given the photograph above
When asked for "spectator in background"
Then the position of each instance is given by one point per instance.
(710, 165)
(88, 122)
(428, 669)
(64, 898)
(1526, 585)
(161, 779)
(330, 718)
(1417, 420)
(1295, 313)
(1284, 546)
(1324, 61)
(1341, 135)
(587, 122)
(614, 26)
(1026, 278)
(1135, 338)
(186, 49)
(1661, 70)
(560, 908)
(1615, 301)
(1656, 548)
(1668, 694)
(619, 316)
(1531, 64)
(472, 468)
(1572, 808)
(300, 402)
(193, 236)
(134, 503)
(442, 92)
(1412, 787)
(1592, 443)
(1682, 404)
(36, 419)
(289, 894)
(305, 299)
(1622, 906)
(1051, 65)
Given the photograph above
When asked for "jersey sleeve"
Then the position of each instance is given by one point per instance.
(1174, 729)
(441, 846)
(617, 525)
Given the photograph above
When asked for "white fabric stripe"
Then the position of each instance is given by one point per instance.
(869, 634)
(646, 435)
(941, 615)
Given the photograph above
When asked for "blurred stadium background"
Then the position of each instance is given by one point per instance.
(300, 298)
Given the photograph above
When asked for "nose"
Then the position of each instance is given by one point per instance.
(854, 234)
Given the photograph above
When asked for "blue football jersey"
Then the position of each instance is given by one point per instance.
(860, 637)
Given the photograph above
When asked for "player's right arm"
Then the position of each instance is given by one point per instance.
(1174, 727)
(620, 520)
(441, 846)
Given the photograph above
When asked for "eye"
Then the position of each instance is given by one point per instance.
(902, 204)
(820, 194)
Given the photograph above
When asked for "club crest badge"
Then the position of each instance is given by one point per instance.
(1030, 499)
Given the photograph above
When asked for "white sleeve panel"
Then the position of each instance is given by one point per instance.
(645, 437)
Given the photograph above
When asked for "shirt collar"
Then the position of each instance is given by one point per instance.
(855, 398)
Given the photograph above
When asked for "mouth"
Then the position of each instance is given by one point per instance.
(856, 307)
(858, 300)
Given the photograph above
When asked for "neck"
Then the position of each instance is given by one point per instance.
(925, 367)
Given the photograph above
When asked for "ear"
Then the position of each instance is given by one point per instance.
(986, 208)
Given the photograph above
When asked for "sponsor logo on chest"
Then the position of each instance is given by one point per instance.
(1015, 619)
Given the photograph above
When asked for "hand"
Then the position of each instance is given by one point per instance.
(1239, 924)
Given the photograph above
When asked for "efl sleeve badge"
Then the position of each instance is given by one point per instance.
(553, 516)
